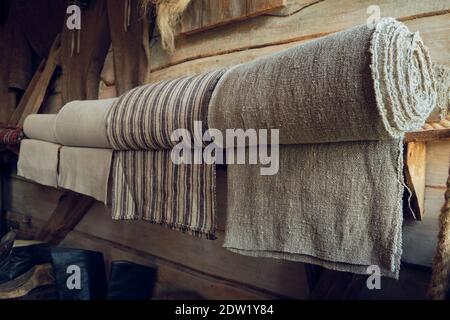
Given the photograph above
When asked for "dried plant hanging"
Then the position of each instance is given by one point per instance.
(440, 281)
(168, 13)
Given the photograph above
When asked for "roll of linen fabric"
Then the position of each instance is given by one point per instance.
(41, 127)
(83, 123)
(359, 84)
(342, 104)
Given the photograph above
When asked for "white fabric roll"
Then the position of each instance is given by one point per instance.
(40, 127)
(83, 123)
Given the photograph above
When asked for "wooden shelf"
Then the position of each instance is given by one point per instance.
(427, 135)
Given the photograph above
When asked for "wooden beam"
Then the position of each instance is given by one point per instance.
(34, 94)
(71, 209)
(415, 164)
(427, 135)
(207, 14)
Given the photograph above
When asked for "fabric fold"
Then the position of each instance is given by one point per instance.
(38, 161)
(86, 171)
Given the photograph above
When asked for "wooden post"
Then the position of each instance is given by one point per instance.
(34, 94)
(415, 167)
(71, 209)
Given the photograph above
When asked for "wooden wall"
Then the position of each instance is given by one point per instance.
(204, 266)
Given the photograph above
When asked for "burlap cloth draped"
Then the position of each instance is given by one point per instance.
(343, 103)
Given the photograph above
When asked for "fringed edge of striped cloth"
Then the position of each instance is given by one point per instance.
(179, 197)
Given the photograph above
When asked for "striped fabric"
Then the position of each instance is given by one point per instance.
(146, 183)
(145, 117)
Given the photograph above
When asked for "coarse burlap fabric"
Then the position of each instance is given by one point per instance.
(344, 101)
(442, 74)
(83, 123)
(38, 161)
(86, 171)
(41, 127)
(360, 84)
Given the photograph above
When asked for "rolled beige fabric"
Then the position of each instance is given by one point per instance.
(83, 124)
(342, 104)
(359, 84)
(40, 127)
(442, 74)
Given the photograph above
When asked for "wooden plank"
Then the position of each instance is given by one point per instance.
(427, 135)
(335, 285)
(283, 278)
(270, 30)
(71, 209)
(35, 93)
(24, 225)
(426, 25)
(415, 163)
(420, 237)
(207, 14)
(438, 161)
(192, 17)
(434, 30)
(24, 196)
(170, 276)
(217, 12)
(258, 6)
(291, 7)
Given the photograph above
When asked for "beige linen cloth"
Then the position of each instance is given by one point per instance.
(83, 168)
(83, 123)
(40, 127)
(342, 104)
(38, 161)
(86, 171)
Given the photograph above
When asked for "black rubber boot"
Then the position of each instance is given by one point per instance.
(79, 274)
(21, 259)
(131, 281)
(6, 244)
